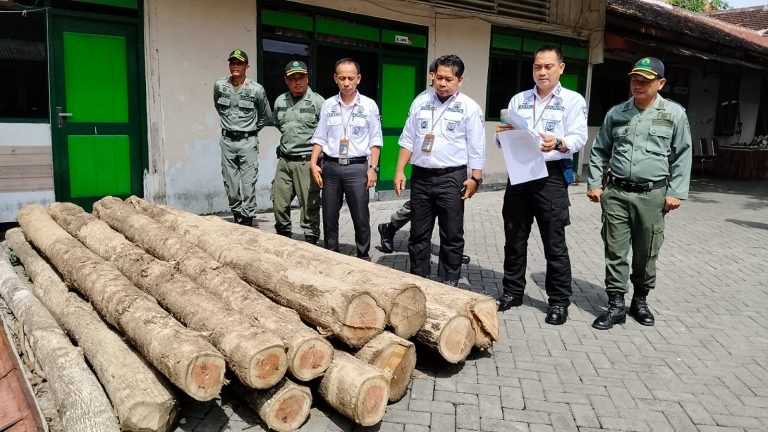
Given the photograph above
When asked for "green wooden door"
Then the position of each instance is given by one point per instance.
(402, 78)
(95, 113)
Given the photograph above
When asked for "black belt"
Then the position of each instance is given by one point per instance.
(633, 186)
(345, 161)
(296, 158)
(440, 171)
(238, 135)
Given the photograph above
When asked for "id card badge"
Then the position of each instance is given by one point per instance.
(343, 147)
(429, 140)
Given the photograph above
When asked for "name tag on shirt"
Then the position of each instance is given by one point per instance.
(343, 147)
(428, 142)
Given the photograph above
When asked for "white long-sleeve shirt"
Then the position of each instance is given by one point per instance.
(359, 123)
(562, 113)
(457, 126)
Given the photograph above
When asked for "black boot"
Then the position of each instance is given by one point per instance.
(639, 309)
(616, 314)
(387, 233)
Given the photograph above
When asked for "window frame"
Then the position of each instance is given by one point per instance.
(522, 55)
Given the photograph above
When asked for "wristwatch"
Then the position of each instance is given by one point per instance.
(558, 144)
(374, 168)
(478, 181)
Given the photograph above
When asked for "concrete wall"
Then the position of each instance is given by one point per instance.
(186, 46)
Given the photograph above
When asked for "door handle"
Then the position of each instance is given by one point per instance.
(61, 115)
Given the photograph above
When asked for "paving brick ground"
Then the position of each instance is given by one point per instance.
(703, 367)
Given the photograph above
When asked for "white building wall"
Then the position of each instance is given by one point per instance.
(702, 103)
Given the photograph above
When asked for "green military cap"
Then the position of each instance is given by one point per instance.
(239, 55)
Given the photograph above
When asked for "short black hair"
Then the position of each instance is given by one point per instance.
(550, 48)
(433, 66)
(347, 60)
(452, 61)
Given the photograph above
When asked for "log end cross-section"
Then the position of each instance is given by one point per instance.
(364, 320)
(408, 311)
(312, 358)
(205, 377)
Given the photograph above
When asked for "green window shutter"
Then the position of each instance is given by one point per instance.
(353, 31)
(128, 4)
(404, 38)
(507, 42)
(575, 52)
(287, 20)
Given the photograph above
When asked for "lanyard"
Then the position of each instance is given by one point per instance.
(537, 120)
(446, 105)
(345, 124)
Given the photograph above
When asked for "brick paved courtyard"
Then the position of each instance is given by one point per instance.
(703, 367)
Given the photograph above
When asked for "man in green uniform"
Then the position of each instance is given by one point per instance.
(639, 170)
(296, 114)
(243, 107)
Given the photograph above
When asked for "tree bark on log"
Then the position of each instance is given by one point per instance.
(284, 407)
(394, 355)
(448, 332)
(349, 313)
(355, 389)
(255, 354)
(142, 399)
(80, 400)
(187, 360)
(309, 354)
(404, 304)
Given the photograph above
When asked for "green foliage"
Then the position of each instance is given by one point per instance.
(699, 5)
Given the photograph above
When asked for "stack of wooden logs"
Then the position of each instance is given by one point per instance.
(173, 299)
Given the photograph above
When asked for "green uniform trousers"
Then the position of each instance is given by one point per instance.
(636, 219)
(240, 169)
(293, 179)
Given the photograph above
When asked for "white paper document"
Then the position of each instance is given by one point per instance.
(522, 155)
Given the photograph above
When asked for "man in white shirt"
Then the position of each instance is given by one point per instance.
(347, 135)
(443, 135)
(559, 116)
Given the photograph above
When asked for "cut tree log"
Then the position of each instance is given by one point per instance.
(404, 303)
(356, 389)
(253, 353)
(187, 360)
(349, 313)
(80, 400)
(142, 399)
(402, 295)
(480, 309)
(284, 407)
(394, 355)
(309, 354)
(448, 332)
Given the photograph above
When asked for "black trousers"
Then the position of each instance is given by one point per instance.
(437, 196)
(346, 182)
(545, 199)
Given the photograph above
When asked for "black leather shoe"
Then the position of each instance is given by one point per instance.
(640, 311)
(387, 238)
(288, 234)
(616, 314)
(465, 259)
(557, 315)
(310, 239)
(247, 221)
(453, 283)
(507, 301)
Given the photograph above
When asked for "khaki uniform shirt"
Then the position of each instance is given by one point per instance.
(297, 121)
(643, 146)
(245, 109)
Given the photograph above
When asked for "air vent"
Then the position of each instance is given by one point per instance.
(532, 10)
(536, 10)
